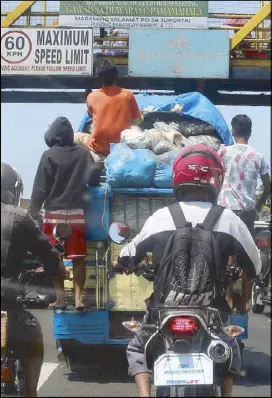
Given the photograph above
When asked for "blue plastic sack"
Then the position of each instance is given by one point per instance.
(193, 104)
(164, 167)
(130, 168)
(86, 120)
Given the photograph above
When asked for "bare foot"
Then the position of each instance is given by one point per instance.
(80, 306)
(57, 304)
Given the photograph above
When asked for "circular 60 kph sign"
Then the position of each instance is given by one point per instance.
(16, 46)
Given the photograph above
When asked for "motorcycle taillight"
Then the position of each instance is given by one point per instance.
(263, 245)
(7, 374)
(185, 325)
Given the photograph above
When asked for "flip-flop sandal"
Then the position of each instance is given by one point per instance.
(82, 309)
(52, 306)
(59, 310)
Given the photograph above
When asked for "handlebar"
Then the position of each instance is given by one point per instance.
(146, 269)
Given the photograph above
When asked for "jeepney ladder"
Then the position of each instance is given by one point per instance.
(101, 282)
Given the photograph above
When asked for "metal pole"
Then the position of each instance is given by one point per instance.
(28, 20)
(44, 8)
(262, 35)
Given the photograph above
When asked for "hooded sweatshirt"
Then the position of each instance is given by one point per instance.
(64, 171)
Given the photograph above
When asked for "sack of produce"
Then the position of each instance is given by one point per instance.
(128, 168)
(135, 138)
(212, 141)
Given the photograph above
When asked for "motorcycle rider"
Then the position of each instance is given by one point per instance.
(196, 188)
(19, 234)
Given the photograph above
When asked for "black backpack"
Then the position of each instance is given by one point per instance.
(189, 272)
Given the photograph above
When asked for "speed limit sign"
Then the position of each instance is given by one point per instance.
(46, 51)
(16, 46)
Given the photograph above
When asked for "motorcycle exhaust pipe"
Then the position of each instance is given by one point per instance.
(218, 351)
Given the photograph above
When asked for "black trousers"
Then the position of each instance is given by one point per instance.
(25, 337)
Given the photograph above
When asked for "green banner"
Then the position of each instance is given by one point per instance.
(134, 14)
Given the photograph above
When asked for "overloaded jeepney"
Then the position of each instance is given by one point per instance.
(113, 298)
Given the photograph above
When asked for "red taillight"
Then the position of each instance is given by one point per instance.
(263, 243)
(183, 325)
(7, 374)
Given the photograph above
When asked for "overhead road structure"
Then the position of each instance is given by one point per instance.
(249, 72)
(76, 97)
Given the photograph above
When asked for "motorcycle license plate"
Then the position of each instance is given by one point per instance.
(183, 369)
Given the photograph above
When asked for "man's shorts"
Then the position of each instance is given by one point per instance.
(75, 246)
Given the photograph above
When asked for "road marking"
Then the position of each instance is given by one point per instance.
(47, 369)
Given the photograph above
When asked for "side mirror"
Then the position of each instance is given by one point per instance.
(62, 231)
(119, 232)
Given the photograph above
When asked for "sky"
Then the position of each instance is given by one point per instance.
(23, 127)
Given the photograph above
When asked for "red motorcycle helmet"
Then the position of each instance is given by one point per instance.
(198, 165)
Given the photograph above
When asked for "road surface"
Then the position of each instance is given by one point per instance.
(88, 382)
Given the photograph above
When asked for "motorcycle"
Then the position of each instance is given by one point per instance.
(261, 288)
(260, 292)
(184, 345)
(12, 374)
(37, 288)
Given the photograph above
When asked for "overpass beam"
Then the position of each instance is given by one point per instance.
(17, 13)
(252, 24)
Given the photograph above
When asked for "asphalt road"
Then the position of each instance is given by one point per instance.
(57, 381)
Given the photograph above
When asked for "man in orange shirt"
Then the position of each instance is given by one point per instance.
(112, 109)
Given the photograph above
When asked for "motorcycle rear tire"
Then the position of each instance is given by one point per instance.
(256, 308)
(17, 389)
(20, 378)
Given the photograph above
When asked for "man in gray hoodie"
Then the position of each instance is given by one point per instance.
(60, 185)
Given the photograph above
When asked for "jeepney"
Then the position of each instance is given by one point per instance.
(111, 298)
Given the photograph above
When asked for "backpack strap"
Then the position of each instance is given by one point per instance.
(178, 216)
(212, 217)
(208, 224)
